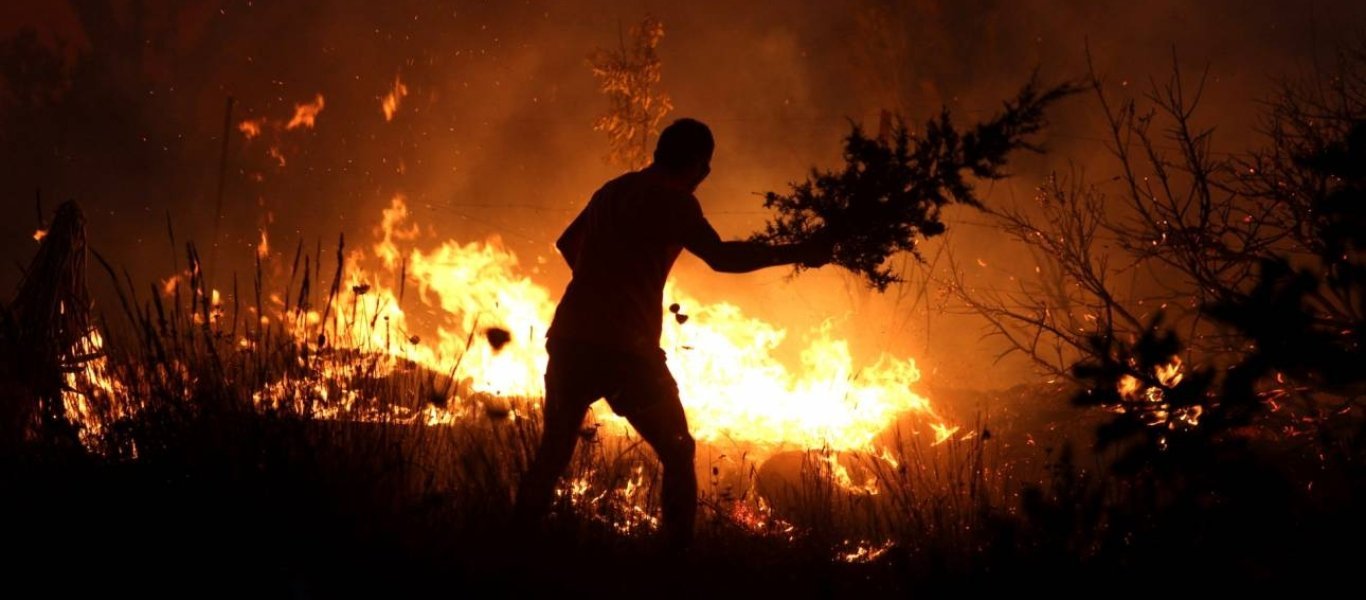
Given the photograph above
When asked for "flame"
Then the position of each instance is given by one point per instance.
(251, 128)
(38, 235)
(263, 246)
(391, 100)
(733, 388)
(92, 397)
(1129, 386)
(1169, 375)
(306, 113)
(169, 285)
(864, 551)
(942, 432)
(839, 474)
(1148, 399)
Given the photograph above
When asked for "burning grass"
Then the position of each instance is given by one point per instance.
(318, 443)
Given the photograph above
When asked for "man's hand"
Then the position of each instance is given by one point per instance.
(815, 252)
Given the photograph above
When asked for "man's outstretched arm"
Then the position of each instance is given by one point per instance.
(745, 256)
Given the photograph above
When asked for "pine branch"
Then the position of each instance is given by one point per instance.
(891, 190)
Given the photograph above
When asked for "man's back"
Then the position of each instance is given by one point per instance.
(621, 248)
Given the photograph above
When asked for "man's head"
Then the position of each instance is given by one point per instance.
(684, 149)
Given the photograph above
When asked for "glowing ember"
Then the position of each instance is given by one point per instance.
(942, 432)
(251, 128)
(1150, 399)
(864, 552)
(306, 113)
(1169, 375)
(389, 104)
(1128, 387)
(263, 246)
(39, 235)
(169, 285)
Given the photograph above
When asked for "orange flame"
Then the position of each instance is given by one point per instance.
(391, 100)
(251, 128)
(732, 386)
(263, 246)
(306, 113)
(92, 397)
(1169, 375)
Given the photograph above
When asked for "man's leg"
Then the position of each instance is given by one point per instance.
(665, 428)
(565, 408)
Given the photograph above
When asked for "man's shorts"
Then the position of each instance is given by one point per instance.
(632, 382)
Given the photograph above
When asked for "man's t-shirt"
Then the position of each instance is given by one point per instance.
(621, 248)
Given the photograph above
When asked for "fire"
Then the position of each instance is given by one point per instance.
(864, 552)
(263, 246)
(1149, 398)
(942, 432)
(389, 104)
(92, 397)
(169, 285)
(1169, 375)
(1128, 387)
(251, 128)
(306, 113)
(732, 386)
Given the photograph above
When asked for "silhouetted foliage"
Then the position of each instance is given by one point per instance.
(1308, 324)
(1156, 400)
(889, 194)
(627, 76)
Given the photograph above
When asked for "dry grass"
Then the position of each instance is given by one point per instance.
(194, 475)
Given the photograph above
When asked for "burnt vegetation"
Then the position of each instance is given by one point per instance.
(1232, 369)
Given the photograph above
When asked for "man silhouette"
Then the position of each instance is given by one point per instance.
(604, 340)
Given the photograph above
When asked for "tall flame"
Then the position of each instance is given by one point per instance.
(732, 386)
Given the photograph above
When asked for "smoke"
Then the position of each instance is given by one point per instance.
(121, 107)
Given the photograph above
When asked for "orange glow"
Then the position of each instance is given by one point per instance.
(865, 552)
(306, 113)
(39, 235)
(169, 285)
(1128, 387)
(942, 432)
(1169, 375)
(391, 100)
(1149, 399)
(733, 388)
(251, 128)
(92, 397)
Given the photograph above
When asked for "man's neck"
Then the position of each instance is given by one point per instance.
(668, 177)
